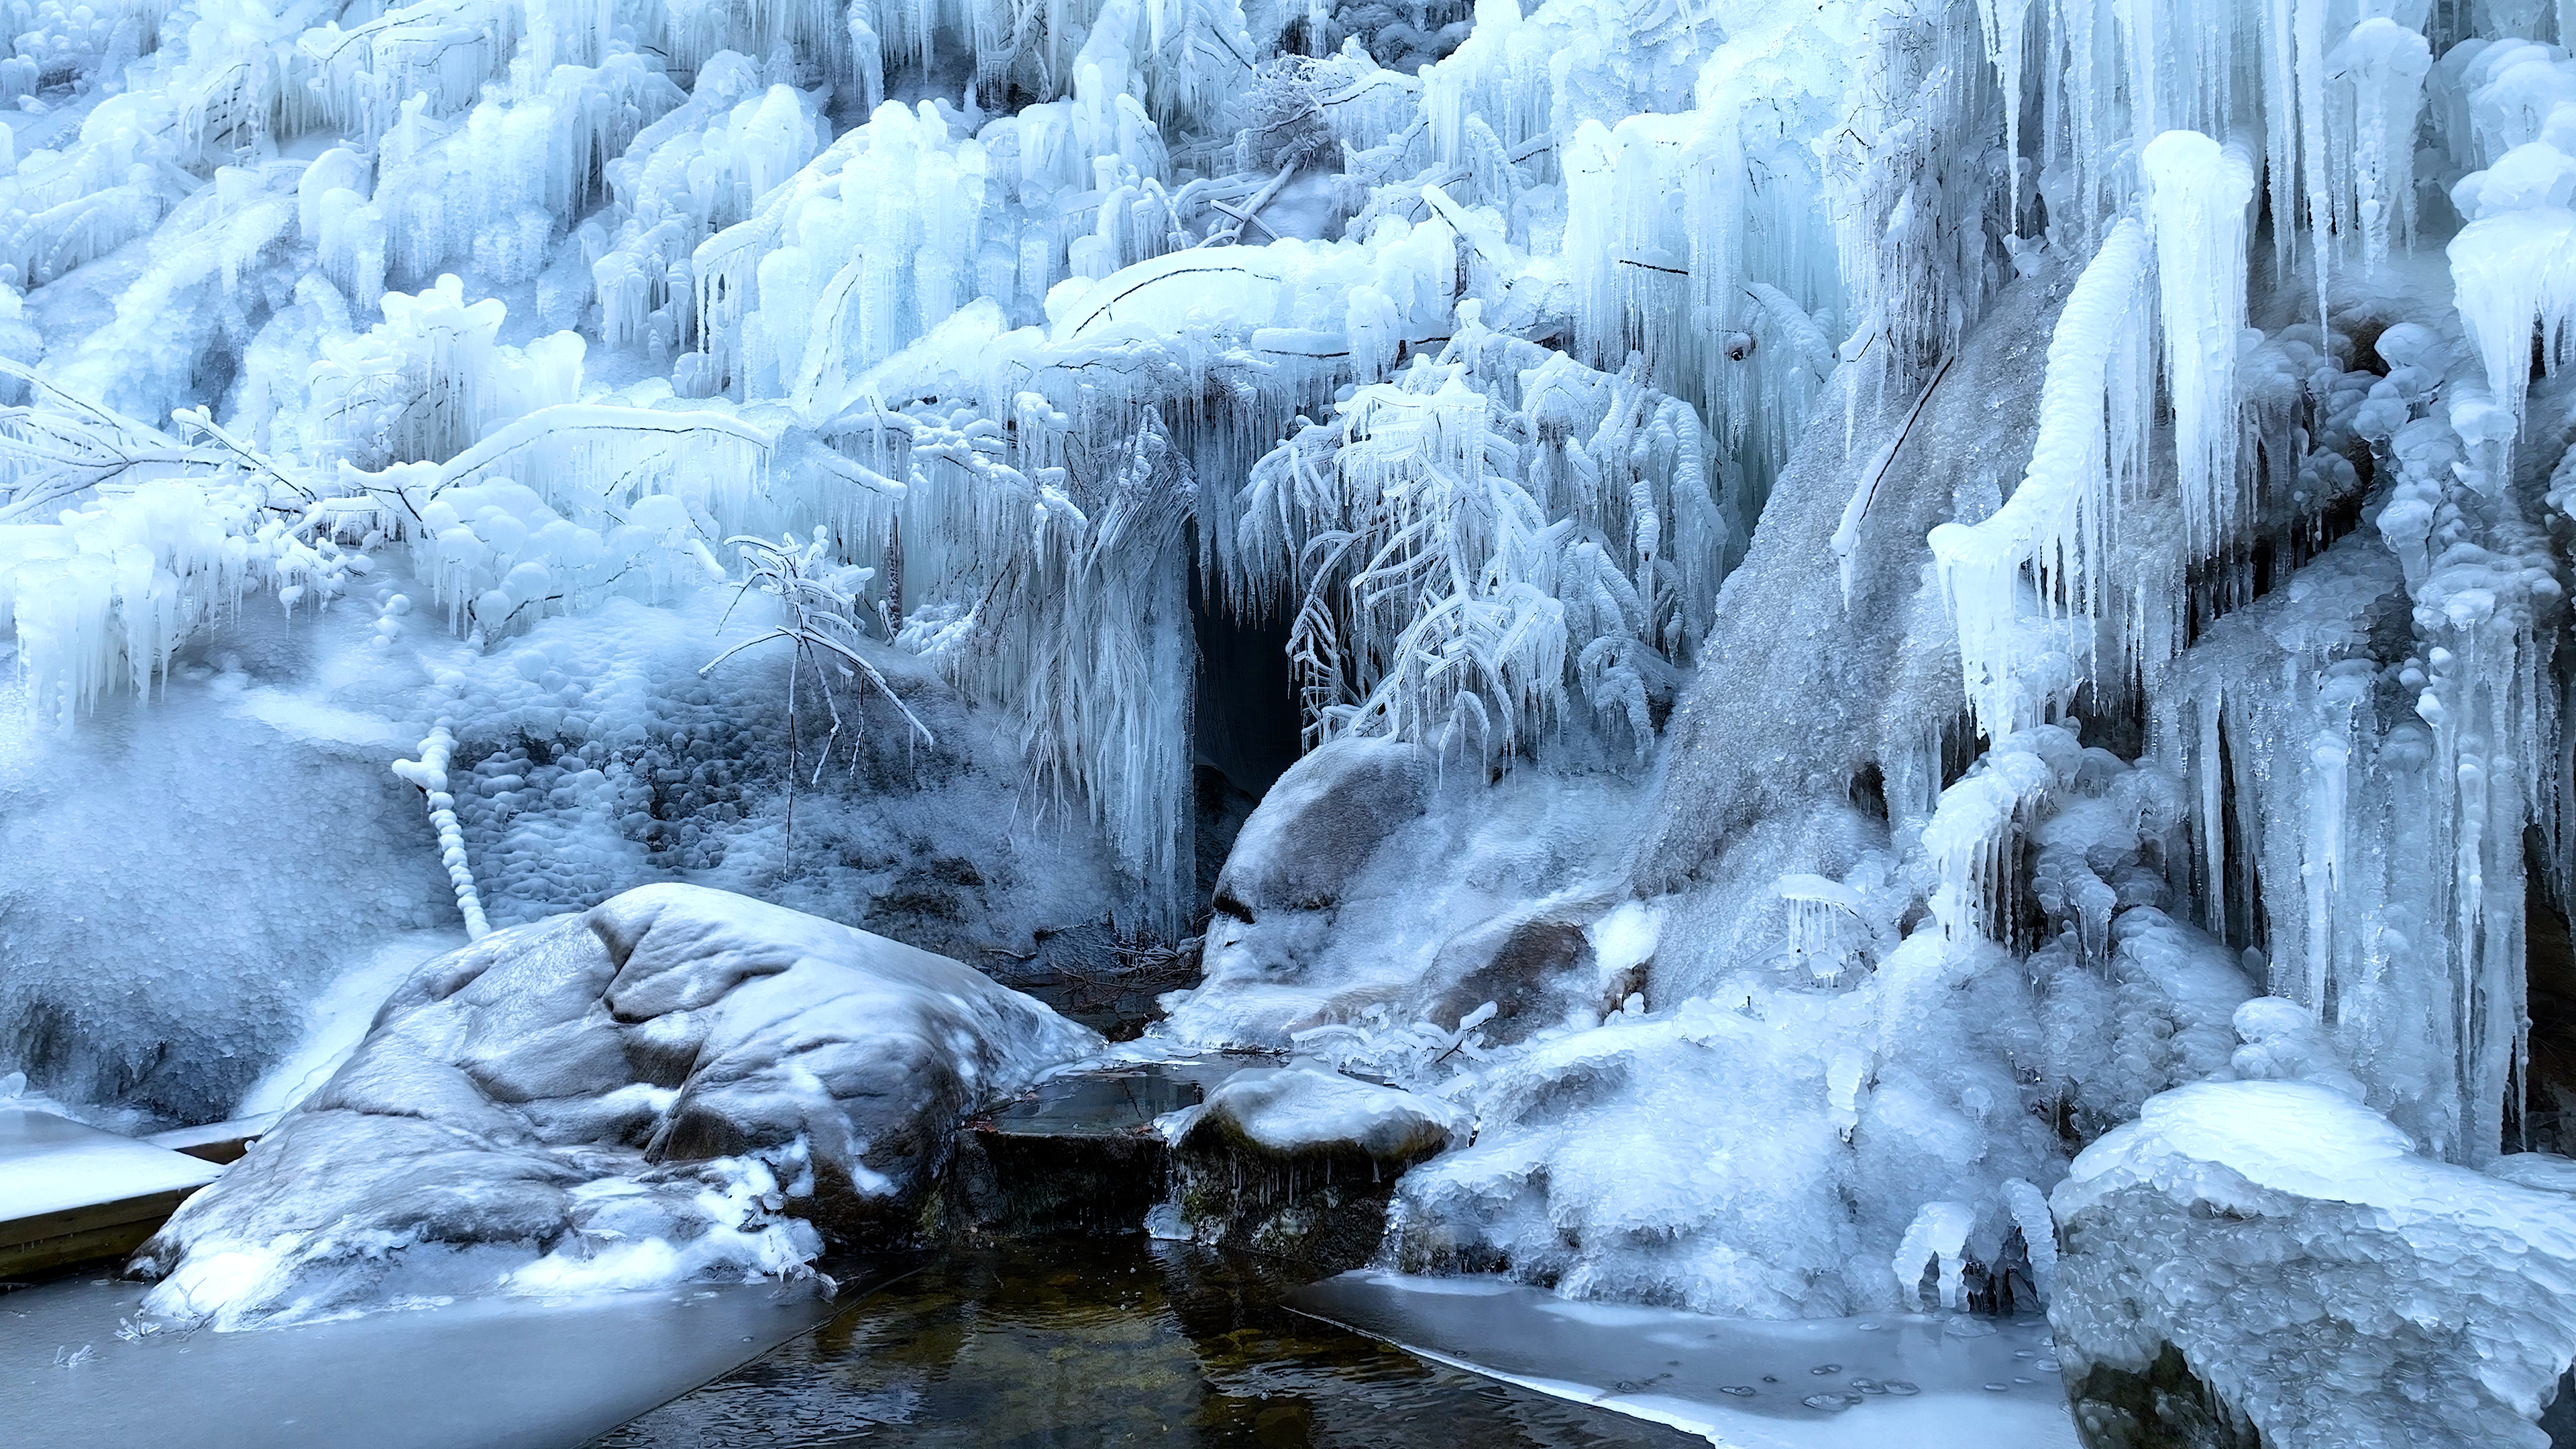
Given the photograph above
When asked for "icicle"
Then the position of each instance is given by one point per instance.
(2510, 273)
(2054, 523)
(2383, 65)
(1938, 1234)
(2029, 1208)
(1973, 827)
(2197, 194)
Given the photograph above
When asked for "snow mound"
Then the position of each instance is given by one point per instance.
(677, 1083)
(2314, 1272)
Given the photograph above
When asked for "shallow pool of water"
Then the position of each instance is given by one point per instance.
(1107, 1341)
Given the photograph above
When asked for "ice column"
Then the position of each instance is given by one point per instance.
(2055, 522)
(2197, 192)
(429, 772)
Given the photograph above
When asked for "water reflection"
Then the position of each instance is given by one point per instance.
(1107, 1341)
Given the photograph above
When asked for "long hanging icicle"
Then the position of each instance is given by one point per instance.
(2197, 194)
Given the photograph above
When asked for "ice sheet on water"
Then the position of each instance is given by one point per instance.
(1934, 1381)
(531, 1374)
(50, 1164)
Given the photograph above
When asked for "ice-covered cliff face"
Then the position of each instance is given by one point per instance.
(2055, 509)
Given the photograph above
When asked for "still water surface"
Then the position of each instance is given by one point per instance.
(1107, 1341)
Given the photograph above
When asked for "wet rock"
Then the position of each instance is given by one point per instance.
(1535, 969)
(1079, 1153)
(2163, 1406)
(678, 1081)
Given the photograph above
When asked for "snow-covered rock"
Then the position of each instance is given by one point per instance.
(1367, 883)
(1288, 1110)
(1300, 1162)
(2288, 1249)
(678, 1082)
(1318, 825)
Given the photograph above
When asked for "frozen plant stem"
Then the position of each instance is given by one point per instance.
(429, 772)
(819, 619)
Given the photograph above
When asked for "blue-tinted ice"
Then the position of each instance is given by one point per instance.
(1949, 1381)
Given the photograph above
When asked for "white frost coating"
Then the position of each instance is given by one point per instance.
(429, 772)
(2197, 195)
(2323, 1279)
(2053, 526)
(1300, 1109)
(1625, 939)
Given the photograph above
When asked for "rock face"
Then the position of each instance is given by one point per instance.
(2272, 1263)
(675, 1082)
(1300, 1163)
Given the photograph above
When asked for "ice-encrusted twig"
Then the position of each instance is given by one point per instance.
(820, 619)
(429, 772)
(1847, 533)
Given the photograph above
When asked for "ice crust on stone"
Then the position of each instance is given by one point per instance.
(1371, 904)
(2328, 1282)
(679, 1083)
(1294, 1109)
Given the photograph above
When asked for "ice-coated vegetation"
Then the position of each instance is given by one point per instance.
(1829, 600)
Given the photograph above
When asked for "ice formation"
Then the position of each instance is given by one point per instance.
(1852, 580)
(2438, 1316)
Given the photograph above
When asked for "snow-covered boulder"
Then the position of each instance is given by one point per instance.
(1367, 885)
(677, 1082)
(1318, 825)
(1300, 1162)
(1298, 1109)
(2275, 1254)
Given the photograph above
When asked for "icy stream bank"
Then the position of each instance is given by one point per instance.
(1932, 1382)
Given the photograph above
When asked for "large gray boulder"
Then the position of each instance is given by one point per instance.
(1317, 827)
(678, 1082)
(1368, 888)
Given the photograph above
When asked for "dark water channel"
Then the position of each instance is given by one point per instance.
(1070, 1341)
